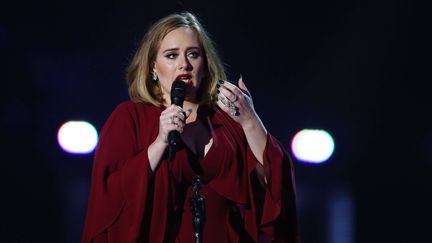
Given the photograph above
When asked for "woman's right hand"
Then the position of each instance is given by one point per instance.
(172, 118)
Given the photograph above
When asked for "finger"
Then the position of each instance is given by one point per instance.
(222, 106)
(173, 127)
(177, 108)
(223, 99)
(170, 109)
(232, 88)
(172, 112)
(167, 116)
(174, 108)
(177, 121)
(231, 96)
(230, 108)
(243, 87)
(171, 123)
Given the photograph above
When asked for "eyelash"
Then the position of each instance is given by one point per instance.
(192, 54)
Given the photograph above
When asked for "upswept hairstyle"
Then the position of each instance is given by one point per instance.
(141, 86)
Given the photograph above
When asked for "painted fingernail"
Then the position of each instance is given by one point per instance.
(217, 86)
(217, 91)
(221, 81)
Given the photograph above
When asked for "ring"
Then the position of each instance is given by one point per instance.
(233, 110)
(235, 99)
(223, 100)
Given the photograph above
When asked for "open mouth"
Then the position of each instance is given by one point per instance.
(187, 78)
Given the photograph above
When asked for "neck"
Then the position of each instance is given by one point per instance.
(190, 105)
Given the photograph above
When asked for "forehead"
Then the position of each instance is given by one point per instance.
(180, 37)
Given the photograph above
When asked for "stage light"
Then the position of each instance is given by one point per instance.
(312, 146)
(77, 137)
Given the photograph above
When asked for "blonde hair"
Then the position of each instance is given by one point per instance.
(141, 86)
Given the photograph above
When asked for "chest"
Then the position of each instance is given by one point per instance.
(198, 137)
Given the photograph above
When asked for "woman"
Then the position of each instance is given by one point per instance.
(138, 195)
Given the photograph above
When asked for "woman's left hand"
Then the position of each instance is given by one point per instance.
(237, 102)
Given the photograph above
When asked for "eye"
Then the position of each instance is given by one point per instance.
(171, 55)
(194, 54)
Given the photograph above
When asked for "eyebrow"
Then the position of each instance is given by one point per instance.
(187, 49)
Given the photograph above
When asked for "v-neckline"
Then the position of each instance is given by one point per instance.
(205, 154)
(203, 113)
(191, 152)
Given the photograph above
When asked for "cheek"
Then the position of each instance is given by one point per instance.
(201, 71)
(163, 69)
(164, 73)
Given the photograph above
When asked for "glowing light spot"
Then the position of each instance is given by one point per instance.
(77, 137)
(312, 145)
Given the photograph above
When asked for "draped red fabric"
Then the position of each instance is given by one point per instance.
(130, 203)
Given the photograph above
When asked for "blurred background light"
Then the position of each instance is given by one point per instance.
(312, 145)
(77, 137)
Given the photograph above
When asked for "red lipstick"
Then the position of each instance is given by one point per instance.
(187, 78)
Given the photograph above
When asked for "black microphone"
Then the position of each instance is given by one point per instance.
(178, 93)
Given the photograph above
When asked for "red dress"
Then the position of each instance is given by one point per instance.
(129, 203)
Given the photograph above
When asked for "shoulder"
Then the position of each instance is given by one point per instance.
(129, 117)
(131, 106)
(135, 109)
(129, 113)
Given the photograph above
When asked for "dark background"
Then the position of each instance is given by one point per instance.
(356, 69)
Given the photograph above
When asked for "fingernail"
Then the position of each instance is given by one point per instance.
(217, 86)
(221, 81)
(217, 91)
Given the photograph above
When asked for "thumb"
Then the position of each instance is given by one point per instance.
(243, 87)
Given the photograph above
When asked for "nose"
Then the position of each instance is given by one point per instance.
(184, 63)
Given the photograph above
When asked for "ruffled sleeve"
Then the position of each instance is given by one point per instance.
(276, 209)
(120, 183)
(269, 214)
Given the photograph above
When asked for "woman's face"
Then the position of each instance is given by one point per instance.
(180, 57)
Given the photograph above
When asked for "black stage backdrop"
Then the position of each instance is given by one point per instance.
(356, 69)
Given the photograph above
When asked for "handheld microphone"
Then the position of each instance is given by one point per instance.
(178, 93)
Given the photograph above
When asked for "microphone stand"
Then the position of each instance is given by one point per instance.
(198, 209)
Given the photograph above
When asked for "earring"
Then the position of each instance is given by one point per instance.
(154, 76)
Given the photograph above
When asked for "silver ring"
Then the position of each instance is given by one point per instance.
(224, 100)
(233, 110)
